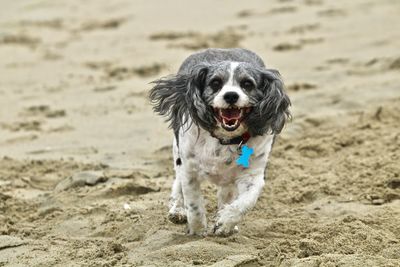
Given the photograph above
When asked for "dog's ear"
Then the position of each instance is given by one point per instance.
(180, 96)
(274, 106)
(200, 112)
(168, 97)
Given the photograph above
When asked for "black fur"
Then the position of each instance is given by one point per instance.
(181, 97)
(200, 112)
(169, 99)
(271, 105)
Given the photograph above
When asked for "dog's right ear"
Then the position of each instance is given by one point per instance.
(200, 113)
(168, 97)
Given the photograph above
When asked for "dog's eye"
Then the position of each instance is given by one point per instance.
(216, 84)
(247, 85)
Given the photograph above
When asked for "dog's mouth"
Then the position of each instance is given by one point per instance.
(231, 117)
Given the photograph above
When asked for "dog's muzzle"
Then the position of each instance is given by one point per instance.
(231, 117)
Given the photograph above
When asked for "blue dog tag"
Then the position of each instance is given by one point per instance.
(244, 158)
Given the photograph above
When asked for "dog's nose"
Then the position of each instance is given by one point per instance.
(231, 97)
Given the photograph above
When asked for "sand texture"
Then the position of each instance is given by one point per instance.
(86, 166)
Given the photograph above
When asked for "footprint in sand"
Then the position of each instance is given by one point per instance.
(32, 125)
(287, 46)
(300, 86)
(124, 72)
(43, 111)
(88, 178)
(304, 28)
(19, 39)
(332, 12)
(246, 13)
(226, 38)
(278, 10)
(281, 47)
(56, 24)
(374, 66)
(283, 10)
(313, 2)
(337, 61)
(107, 24)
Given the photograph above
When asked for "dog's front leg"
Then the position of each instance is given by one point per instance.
(194, 205)
(225, 195)
(177, 213)
(249, 189)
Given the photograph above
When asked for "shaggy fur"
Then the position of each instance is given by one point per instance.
(191, 101)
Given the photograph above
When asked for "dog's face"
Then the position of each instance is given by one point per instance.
(227, 99)
(228, 89)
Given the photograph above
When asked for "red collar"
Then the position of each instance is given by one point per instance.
(237, 140)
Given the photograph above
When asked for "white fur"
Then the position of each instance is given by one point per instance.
(229, 86)
(203, 157)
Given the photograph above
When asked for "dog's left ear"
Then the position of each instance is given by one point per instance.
(275, 103)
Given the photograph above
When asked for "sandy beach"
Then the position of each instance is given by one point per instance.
(86, 166)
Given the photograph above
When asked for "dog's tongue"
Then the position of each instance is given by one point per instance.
(232, 113)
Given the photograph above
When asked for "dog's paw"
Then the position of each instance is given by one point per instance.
(197, 225)
(177, 217)
(202, 232)
(224, 230)
(227, 221)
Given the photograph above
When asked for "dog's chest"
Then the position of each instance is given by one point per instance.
(216, 163)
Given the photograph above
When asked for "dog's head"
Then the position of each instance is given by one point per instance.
(227, 99)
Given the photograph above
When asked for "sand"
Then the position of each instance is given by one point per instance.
(85, 166)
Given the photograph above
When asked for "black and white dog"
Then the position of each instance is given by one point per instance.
(220, 100)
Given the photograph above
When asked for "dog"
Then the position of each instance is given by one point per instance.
(219, 101)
